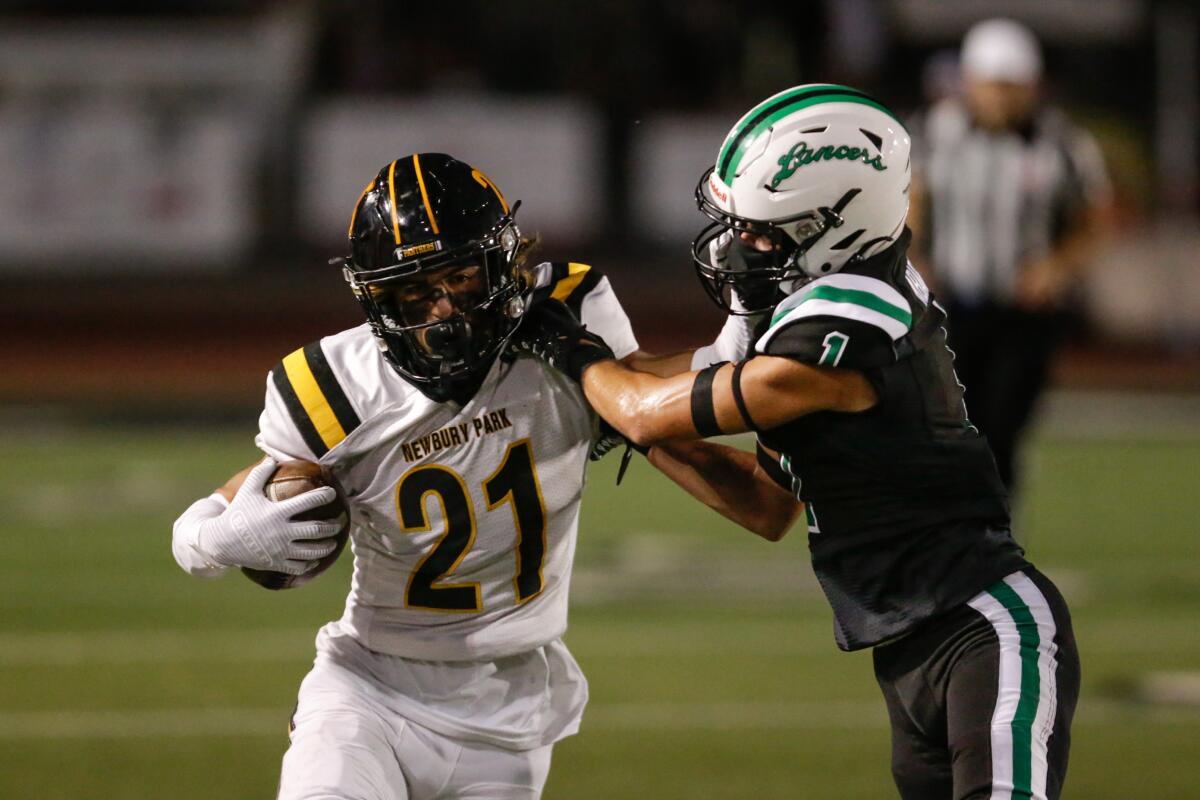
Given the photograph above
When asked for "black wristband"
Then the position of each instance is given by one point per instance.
(583, 357)
(736, 383)
(704, 415)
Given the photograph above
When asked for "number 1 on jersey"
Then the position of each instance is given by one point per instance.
(516, 482)
(835, 346)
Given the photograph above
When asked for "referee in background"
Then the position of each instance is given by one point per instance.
(1008, 203)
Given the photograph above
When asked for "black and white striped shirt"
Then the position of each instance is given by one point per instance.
(1000, 199)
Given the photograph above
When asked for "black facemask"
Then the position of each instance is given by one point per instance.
(755, 292)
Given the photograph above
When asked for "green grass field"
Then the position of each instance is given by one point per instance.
(712, 665)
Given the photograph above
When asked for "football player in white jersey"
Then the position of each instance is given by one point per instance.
(463, 467)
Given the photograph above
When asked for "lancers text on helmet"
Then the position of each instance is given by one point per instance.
(802, 155)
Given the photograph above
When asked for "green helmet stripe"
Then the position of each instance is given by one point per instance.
(767, 114)
(752, 113)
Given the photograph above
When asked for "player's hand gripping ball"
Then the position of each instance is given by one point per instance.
(293, 478)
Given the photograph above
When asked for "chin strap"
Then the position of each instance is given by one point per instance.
(626, 457)
(832, 216)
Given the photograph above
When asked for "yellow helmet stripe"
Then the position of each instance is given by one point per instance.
(354, 213)
(575, 274)
(392, 195)
(424, 195)
(315, 404)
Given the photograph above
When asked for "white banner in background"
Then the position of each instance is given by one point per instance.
(116, 184)
(669, 154)
(137, 145)
(544, 152)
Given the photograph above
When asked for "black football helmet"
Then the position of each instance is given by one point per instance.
(423, 215)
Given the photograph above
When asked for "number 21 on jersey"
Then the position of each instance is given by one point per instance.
(514, 483)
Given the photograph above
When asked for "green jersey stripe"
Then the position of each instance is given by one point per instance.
(893, 329)
(857, 297)
(1027, 705)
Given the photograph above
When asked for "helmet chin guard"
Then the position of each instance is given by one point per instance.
(759, 277)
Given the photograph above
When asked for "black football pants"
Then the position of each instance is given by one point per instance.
(982, 698)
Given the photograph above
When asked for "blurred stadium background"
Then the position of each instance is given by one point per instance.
(174, 178)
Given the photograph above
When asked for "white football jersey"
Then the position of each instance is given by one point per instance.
(464, 517)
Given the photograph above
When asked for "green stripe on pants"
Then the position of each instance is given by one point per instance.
(1022, 724)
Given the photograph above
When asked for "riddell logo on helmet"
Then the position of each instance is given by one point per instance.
(802, 155)
(716, 190)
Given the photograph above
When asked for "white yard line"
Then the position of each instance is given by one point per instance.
(757, 715)
(164, 646)
(170, 723)
(191, 723)
(92, 648)
(600, 717)
(1118, 414)
(95, 648)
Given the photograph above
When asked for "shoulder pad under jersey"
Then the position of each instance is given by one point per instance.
(589, 295)
(840, 320)
(310, 406)
(567, 281)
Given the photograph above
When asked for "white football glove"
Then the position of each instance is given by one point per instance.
(259, 533)
(736, 338)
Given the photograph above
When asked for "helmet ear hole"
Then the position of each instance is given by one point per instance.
(874, 138)
(826, 267)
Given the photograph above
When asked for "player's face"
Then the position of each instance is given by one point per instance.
(454, 291)
(759, 242)
(438, 295)
(1000, 104)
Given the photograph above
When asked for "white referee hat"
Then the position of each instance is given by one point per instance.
(1002, 50)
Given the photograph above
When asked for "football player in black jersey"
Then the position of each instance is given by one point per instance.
(862, 427)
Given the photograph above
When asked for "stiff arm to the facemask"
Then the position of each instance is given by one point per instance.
(736, 337)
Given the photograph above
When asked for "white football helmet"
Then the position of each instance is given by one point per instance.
(823, 170)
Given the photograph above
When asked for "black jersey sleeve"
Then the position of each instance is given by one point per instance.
(849, 321)
(831, 342)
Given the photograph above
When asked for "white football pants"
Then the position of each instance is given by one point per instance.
(347, 746)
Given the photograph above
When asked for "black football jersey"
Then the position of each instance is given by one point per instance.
(907, 515)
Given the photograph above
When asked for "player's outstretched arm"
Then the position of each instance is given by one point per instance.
(761, 393)
(663, 366)
(732, 482)
(734, 342)
(237, 526)
(758, 394)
